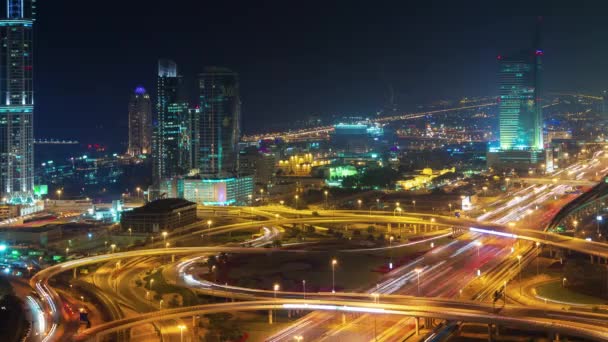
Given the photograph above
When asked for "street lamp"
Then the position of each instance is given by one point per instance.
(151, 282)
(359, 203)
(130, 232)
(298, 338)
(564, 282)
(390, 246)
(418, 271)
(519, 263)
(414, 204)
(334, 262)
(326, 193)
(181, 332)
(296, 197)
(165, 235)
(209, 223)
(537, 256)
(59, 194)
(138, 189)
(160, 304)
(304, 288)
(282, 202)
(478, 244)
(113, 246)
(167, 245)
(67, 251)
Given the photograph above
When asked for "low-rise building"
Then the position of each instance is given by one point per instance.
(159, 215)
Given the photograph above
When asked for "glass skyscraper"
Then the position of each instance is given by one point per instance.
(520, 109)
(172, 110)
(140, 123)
(220, 115)
(17, 101)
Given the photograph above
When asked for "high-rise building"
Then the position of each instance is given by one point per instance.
(140, 123)
(17, 101)
(172, 109)
(521, 145)
(520, 109)
(220, 115)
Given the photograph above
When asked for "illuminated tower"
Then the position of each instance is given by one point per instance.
(520, 107)
(17, 101)
(172, 109)
(220, 106)
(520, 111)
(140, 123)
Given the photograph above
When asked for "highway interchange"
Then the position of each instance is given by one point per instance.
(454, 264)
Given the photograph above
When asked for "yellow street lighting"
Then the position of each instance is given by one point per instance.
(164, 234)
(334, 262)
(181, 332)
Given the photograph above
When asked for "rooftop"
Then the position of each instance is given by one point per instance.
(161, 205)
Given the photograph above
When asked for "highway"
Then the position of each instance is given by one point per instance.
(577, 324)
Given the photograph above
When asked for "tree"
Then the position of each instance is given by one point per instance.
(381, 177)
(371, 229)
(350, 182)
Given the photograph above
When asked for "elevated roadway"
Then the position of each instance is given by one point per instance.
(575, 324)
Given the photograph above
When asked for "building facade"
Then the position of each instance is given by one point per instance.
(159, 215)
(210, 191)
(140, 123)
(220, 116)
(17, 101)
(172, 109)
(520, 109)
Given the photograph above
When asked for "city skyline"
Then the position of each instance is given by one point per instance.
(306, 64)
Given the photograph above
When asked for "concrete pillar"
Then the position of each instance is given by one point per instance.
(172, 257)
(417, 320)
(75, 273)
(270, 316)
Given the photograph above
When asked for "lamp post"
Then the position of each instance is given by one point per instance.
(130, 232)
(113, 246)
(537, 256)
(67, 251)
(519, 264)
(334, 262)
(359, 203)
(275, 288)
(564, 281)
(181, 332)
(414, 204)
(151, 282)
(296, 197)
(209, 223)
(298, 338)
(418, 271)
(326, 193)
(165, 235)
(138, 189)
(160, 304)
(390, 247)
(478, 244)
(304, 288)
(58, 194)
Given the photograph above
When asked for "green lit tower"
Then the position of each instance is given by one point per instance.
(17, 101)
(520, 110)
(220, 117)
(520, 126)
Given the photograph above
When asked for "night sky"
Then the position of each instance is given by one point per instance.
(294, 60)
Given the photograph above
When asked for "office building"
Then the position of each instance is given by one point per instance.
(220, 115)
(140, 123)
(259, 163)
(172, 110)
(520, 145)
(159, 215)
(17, 102)
(209, 191)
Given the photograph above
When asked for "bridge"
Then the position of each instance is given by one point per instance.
(576, 324)
(572, 182)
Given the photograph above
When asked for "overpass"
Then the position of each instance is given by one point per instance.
(576, 324)
(561, 181)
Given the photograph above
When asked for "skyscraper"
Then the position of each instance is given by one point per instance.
(520, 110)
(140, 123)
(17, 101)
(220, 116)
(172, 109)
(521, 144)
